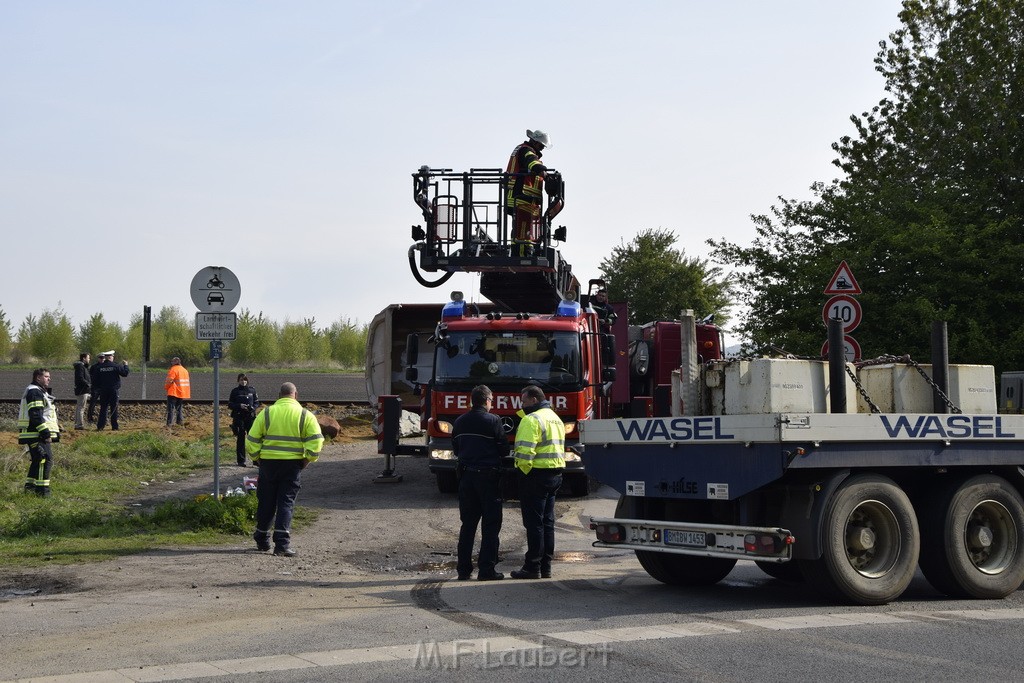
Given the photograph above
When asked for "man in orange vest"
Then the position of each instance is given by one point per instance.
(178, 389)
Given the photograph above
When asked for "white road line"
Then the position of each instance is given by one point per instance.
(448, 654)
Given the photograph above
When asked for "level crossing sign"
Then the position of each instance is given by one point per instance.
(843, 281)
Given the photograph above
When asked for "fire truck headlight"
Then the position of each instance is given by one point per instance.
(442, 454)
(571, 456)
(570, 428)
(444, 427)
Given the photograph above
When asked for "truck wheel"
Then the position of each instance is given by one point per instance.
(783, 571)
(447, 482)
(871, 543)
(684, 570)
(972, 541)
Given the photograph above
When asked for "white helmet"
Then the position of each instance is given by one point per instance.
(538, 136)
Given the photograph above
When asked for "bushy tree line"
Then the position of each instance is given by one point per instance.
(51, 338)
(929, 207)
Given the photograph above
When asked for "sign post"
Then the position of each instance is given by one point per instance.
(215, 292)
(842, 287)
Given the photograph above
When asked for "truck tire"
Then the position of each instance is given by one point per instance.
(870, 543)
(447, 482)
(684, 570)
(783, 571)
(972, 541)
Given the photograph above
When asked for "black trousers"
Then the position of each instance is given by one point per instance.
(174, 410)
(108, 403)
(537, 501)
(240, 426)
(39, 469)
(275, 500)
(479, 501)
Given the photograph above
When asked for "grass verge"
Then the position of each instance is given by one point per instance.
(90, 517)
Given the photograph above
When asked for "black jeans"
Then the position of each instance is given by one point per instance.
(479, 501)
(240, 426)
(537, 502)
(275, 499)
(174, 409)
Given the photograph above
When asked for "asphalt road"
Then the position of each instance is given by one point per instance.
(313, 386)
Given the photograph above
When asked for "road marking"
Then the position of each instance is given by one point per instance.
(433, 654)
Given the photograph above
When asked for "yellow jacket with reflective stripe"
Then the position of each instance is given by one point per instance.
(37, 415)
(285, 431)
(526, 180)
(540, 440)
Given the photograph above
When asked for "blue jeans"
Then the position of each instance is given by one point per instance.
(174, 409)
(537, 502)
(275, 499)
(479, 501)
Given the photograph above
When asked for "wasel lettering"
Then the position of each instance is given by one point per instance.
(947, 427)
(678, 429)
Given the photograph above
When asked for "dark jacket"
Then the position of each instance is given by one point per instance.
(94, 377)
(83, 382)
(108, 376)
(243, 402)
(478, 439)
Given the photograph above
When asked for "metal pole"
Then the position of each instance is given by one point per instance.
(143, 380)
(940, 365)
(836, 366)
(216, 425)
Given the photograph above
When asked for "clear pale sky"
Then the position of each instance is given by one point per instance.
(143, 141)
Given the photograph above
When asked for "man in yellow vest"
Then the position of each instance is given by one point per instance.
(178, 389)
(37, 429)
(540, 459)
(285, 437)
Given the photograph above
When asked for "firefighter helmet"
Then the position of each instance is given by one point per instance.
(538, 136)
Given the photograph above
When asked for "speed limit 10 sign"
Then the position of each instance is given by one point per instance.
(844, 307)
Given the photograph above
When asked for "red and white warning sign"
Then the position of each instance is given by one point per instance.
(846, 308)
(851, 349)
(843, 281)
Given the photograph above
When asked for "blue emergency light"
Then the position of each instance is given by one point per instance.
(456, 308)
(568, 309)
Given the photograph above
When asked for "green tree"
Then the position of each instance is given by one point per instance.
(6, 342)
(97, 335)
(928, 209)
(303, 343)
(659, 280)
(52, 337)
(256, 341)
(348, 343)
(171, 335)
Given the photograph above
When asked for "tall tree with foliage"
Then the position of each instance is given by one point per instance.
(97, 335)
(659, 280)
(5, 337)
(928, 210)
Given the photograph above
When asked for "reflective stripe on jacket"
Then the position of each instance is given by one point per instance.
(540, 440)
(177, 383)
(37, 416)
(285, 431)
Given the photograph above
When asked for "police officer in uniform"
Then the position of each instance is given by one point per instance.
(108, 384)
(284, 439)
(243, 403)
(540, 459)
(479, 443)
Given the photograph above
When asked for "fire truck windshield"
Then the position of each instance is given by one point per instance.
(507, 359)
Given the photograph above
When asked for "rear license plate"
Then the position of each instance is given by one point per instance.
(692, 539)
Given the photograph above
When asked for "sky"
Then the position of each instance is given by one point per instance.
(141, 142)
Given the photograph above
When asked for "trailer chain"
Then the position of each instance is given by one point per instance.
(860, 389)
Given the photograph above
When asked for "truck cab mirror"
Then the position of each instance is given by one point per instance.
(412, 354)
(607, 374)
(608, 350)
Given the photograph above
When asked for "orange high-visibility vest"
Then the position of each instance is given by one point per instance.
(177, 383)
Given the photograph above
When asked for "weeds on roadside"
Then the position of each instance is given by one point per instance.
(89, 516)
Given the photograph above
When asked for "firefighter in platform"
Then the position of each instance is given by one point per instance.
(540, 459)
(284, 439)
(525, 190)
(38, 429)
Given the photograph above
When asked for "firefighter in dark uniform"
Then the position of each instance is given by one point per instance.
(525, 189)
(243, 403)
(108, 384)
(479, 443)
(37, 429)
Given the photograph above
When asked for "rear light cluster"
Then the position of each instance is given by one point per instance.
(609, 533)
(766, 543)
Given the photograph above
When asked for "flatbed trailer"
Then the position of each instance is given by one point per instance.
(850, 503)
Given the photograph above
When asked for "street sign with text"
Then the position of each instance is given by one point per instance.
(215, 326)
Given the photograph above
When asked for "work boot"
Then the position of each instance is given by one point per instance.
(496, 576)
(262, 542)
(43, 491)
(285, 552)
(523, 574)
